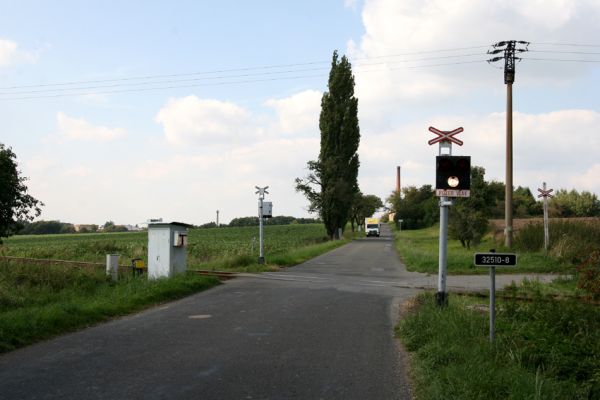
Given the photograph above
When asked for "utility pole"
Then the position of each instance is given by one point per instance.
(509, 48)
(217, 218)
(261, 196)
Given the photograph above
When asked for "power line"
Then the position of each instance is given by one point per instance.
(242, 69)
(564, 52)
(566, 44)
(132, 90)
(220, 77)
(559, 60)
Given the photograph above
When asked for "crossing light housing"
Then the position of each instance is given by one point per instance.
(453, 173)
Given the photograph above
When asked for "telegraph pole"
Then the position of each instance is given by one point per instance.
(509, 48)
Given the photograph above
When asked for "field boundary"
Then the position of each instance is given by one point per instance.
(46, 261)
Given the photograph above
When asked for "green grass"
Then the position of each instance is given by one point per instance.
(543, 350)
(419, 250)
(213, 248)
(38, 302)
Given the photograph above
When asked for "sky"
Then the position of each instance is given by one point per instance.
(127, 111)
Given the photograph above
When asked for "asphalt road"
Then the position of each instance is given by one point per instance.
(321, 330)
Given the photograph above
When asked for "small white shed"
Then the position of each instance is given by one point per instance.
(167, 249)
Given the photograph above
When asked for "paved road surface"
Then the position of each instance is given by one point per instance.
(321, 330)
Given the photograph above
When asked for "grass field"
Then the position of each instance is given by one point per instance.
(544, 349)
(419, 250)
(212, 248)
(38, 302)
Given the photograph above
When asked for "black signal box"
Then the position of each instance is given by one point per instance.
(453, 173)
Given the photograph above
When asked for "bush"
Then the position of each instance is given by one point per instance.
(589, 275)
(570, 241)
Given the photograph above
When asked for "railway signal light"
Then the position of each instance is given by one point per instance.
(453, 173)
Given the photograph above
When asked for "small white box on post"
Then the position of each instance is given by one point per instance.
(167, 249)
(112, 266)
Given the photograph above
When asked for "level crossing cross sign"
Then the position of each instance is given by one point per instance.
(545, 193)
(446, 136)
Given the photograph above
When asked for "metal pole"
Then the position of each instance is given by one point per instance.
(261, 257)
(546, 234)
(508, 198)
(261, 195)
(492, 302)
(217, 218)
(441, 297)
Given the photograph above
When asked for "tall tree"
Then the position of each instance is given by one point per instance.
(416, 207)
(15, 204)
(332, 184)
(363, 207)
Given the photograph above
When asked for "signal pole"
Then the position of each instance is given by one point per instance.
(261, 196)
(509, 48)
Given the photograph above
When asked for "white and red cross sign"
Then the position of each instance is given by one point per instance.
(446, 136)
(545, 193)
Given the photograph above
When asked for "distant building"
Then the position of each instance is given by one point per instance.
(85, 227)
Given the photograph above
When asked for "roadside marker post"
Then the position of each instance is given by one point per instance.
(445, 140)
(545, 193)
(493, 260)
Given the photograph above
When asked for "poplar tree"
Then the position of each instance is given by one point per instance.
(332, 184)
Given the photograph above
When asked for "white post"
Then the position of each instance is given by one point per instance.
(112, 266)
(546, 234)
(340, 237)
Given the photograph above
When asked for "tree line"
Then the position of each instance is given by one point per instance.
(468, 218)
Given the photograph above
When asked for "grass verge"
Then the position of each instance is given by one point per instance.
(38, 302)
(543, 350)
(419, 250)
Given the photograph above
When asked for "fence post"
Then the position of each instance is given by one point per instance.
(112, 266)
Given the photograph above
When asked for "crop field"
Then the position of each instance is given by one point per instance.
(205, 246)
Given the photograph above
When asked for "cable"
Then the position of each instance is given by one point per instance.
(564, 52)
(56, 95)
(566, 44)
(559, 59)
(255, 68)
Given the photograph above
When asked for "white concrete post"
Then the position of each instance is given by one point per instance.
(112, 266)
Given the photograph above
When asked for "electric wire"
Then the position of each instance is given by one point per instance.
(145, 89)
(220, 71)
(267, 73)
(219, 77)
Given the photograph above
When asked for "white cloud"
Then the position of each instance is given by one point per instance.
(560, 148)
(298, 113)
(11, 54)
(192, 120)
(407, 28)
(80, 129)
(351, 4)
(78, 172)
